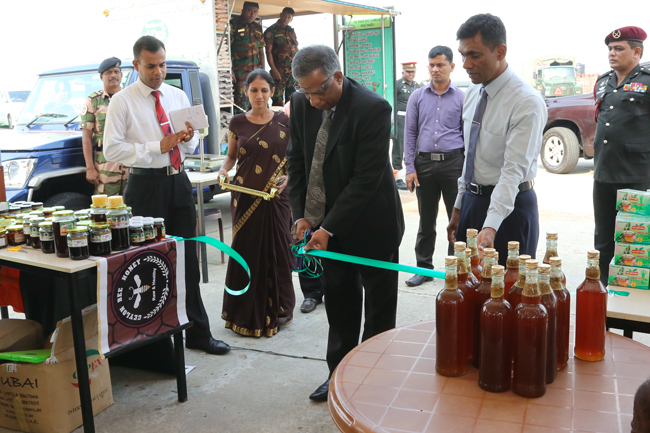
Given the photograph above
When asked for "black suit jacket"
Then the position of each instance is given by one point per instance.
(363, 209)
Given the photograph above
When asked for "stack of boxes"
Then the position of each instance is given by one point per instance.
(630, 266)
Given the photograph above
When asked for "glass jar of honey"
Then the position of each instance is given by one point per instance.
(27, 231)
(98, 214)
(118, 218)
(78, 243)
(15, 235)
(149, 230)
(100, 239)
(136, 233)
(159, 226)
(3, 238)
(46, 236)
(63, 221)
(14, 210)
(33, 232)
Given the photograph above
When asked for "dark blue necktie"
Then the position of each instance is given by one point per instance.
(473, 136)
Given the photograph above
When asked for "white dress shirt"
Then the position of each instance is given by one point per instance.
(132, 133)
(508, 143)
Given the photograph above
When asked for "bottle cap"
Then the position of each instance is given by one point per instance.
(468, 252)
(555, 261)
(498, 271)
(551, 236)
(544, 268)
(513, 245)
(56, 208)
(472, 233)
(531, 264)
(593, 254)
(99, 200)
(489, 252)
(523, 258)
(460, 246)
(147, 221)
(451, 261)
(62, 213)
(136, 223)
(159, 220)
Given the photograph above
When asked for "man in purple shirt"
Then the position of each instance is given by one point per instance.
(433, 152)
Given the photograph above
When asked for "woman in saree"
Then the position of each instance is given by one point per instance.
(257, 143)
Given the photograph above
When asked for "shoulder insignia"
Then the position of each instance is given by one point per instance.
(645, 69)
(604, 75)
(84, 110)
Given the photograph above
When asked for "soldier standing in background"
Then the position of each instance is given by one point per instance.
(281, 46)
(621, 149)
(404, 87)
(246, 43)
(108, 177)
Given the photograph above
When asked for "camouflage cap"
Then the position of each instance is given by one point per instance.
(111, 62)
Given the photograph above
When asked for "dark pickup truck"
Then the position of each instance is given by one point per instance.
(569, 132)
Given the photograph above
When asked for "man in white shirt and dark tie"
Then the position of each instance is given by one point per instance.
(139, 135)
(503, 119)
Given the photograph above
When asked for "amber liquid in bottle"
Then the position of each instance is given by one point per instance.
(512, 267)
(563, 313)
(549, 301)
(551, 251)
(451, 322)
(514, 296)
(472, 281)
(479, 296)
(466, 290)
(495, 370)
(472, 244)
(531, 329)
(591, 313)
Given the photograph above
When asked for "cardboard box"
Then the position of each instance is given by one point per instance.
(635, 255)
(633, 201)
(20, 334)
(44, 398)
(632, 229)
(628, 276)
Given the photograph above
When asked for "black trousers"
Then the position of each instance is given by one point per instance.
(605, 219)
(170, 197)
(311, 287)
(397, 153)
(437, 178)
(521, 225)
(344, 285)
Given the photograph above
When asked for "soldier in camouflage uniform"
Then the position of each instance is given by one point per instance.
(281, 46)
(246, 43)
(403, 89)
(108, 177)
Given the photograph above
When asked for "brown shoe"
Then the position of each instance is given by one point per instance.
(309, 305)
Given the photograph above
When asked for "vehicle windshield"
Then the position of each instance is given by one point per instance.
(550, 73)
(20, 96)
(57, 99)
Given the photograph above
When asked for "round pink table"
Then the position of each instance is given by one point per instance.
(389, 384)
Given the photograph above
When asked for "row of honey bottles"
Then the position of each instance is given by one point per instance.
(526, 339)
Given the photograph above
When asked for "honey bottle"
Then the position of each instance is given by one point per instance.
(472, 281)
(514, 296)
(481, 294)
(472, 244)
(466, 290)
(591, 313)
(512, 267)
(451, 323)
(531, 328)
(551, 250)
(495, 370)
(549, 301)
(563, 313)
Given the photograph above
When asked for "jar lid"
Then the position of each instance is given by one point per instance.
(14, 207)
(63, 213)
(99, 225)
(159, 220)
(84, 222)
(37, 203)
(58, 207)
(26, 206)
(37, 220)
(3, 231)
(78, 230)
(147, 220)
(36, 212)
(137, 218)
(82, 212)
(14, 228)
(48, 209)
(45, 224)
(136, 223)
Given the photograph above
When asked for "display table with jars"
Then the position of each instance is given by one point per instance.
(389, 383)
(630, 313)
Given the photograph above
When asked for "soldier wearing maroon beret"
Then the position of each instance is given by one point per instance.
(622, 140)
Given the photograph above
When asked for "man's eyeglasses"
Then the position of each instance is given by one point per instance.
(316, 90)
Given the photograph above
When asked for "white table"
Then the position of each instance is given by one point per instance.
(629, 313)
(199, 180)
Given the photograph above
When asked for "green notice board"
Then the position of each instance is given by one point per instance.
(364, 60)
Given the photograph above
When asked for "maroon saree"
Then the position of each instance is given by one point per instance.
(260, 231)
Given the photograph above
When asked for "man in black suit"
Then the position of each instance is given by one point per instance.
(342, 187)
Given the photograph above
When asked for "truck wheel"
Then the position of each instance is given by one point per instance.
(71, 200)
(560, 150)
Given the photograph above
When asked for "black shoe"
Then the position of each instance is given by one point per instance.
(309, 305)
(321, 392)
(417, 280)
(212, 346)
(401, 185)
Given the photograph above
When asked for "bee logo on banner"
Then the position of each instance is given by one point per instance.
(139, 295)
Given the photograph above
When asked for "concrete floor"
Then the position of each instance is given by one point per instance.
(263, 384)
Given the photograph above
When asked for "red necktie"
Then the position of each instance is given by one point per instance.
(175, 153)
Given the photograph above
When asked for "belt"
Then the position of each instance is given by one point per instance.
(441, 156)
(163, 171)
(487, 189)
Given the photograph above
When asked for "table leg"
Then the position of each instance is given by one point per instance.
(628, 333)
(201, 210)
(4, 312)
(80, 355)
(179, 360)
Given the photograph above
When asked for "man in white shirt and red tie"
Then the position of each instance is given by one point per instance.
(503, 119)
(139, 135)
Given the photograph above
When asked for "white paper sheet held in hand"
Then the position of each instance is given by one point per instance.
(195, 115)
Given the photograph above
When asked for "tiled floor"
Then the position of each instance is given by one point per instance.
(389, 384)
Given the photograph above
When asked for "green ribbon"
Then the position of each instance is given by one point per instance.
(619, 293)
(374, 263)
(230, 252)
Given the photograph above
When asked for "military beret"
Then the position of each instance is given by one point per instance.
(629, 33)
(111, 62)
(251, 5)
